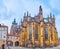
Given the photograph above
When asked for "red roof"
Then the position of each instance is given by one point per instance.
(13, 35)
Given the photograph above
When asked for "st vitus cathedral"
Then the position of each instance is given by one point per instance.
(38, 31)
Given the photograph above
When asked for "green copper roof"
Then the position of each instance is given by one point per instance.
(14, 22)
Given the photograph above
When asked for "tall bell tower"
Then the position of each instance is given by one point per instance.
(13, 27)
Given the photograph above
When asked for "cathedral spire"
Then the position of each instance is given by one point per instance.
(21, 20)
(53, 16)
(40, 13)
(50, 15)
(27, 13)
(40, 8)
(14, 22)
(53, 19)
(48, 18)
(24, 15)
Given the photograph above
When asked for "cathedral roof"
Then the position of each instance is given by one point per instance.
(17, 35)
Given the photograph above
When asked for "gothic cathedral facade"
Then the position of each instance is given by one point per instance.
(38, 31)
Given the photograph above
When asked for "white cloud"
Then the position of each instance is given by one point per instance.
(15, 9)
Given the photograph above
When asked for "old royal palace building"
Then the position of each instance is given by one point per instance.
(35, 31)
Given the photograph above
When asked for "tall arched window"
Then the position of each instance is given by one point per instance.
(30, 32)
(51, 33)
(36, 33)
(46, 33)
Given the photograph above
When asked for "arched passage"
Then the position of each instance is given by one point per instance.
(10, 43)
(16, 43)
(3, 46)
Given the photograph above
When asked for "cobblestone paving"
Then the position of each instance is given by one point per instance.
(58, 47)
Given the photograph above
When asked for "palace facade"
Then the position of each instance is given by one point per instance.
(3, 35)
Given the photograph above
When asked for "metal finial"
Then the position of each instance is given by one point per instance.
(50, 15)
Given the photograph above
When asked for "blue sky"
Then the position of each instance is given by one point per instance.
(10, 9)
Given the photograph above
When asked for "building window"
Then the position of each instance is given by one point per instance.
(30, 32)
(51, 33)
(46, 33)
(8, 37)
(4, 36)
(5, 28)
(0, 28)
(36, 33)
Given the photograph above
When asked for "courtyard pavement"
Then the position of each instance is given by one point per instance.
(58, 47)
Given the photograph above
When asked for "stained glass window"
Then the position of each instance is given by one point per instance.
(36, 33)
(30, 33)
(51, 33)
(46, 33)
